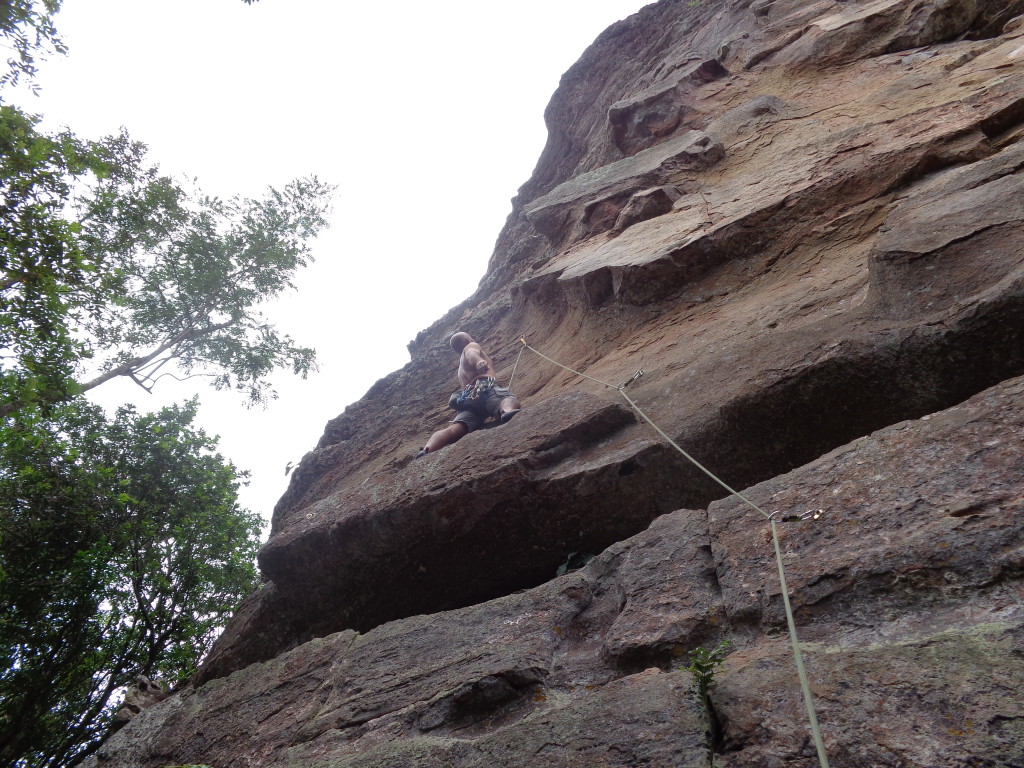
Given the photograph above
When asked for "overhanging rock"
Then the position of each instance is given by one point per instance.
(929, 632)
(497, 512)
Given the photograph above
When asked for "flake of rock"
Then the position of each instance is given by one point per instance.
(658, 111)
(568, 211)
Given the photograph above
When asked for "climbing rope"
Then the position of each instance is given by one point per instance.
(790, 621)
(512, 376)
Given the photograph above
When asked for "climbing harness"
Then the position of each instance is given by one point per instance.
(773, 518)
(471, 393)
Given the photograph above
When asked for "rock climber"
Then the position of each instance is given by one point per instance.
(481, 396)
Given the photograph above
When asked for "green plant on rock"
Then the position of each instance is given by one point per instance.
(703, 666)
(574, 562)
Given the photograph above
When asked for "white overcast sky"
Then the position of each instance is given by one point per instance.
(427, 115)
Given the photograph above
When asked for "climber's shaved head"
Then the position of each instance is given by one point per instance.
(459, 341)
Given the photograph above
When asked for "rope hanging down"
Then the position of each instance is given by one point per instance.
(771, 518)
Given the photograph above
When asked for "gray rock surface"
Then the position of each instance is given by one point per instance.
(907, 595)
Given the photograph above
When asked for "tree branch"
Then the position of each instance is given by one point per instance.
(133, 365)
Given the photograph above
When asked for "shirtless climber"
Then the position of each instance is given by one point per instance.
(479, 398)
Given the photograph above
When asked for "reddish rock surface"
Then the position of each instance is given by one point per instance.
(803, 221)
(907, 593)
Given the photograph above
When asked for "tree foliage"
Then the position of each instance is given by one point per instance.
(26, 28)
(47, 279)
(122, 552)
(194, 275)
(109, 269)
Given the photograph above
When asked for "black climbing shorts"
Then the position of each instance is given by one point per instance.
(474, 413)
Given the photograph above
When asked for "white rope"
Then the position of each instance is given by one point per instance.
(790, 621)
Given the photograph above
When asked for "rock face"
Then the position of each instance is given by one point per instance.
(804, 222)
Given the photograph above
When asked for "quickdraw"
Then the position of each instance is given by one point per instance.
(473, 392)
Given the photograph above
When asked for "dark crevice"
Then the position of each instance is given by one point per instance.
(1004, 120)
(497, 699)
(711, 572)
(627, 468)
(716, 730)
(992, 18)
(872, 386)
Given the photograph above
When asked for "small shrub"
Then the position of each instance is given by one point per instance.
(703, 665)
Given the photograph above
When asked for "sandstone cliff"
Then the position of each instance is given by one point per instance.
(804, 222)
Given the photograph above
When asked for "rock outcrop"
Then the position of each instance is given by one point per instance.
(804, 222)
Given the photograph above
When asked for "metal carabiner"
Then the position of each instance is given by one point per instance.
(631, 379)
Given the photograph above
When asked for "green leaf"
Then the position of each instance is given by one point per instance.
(122, 552)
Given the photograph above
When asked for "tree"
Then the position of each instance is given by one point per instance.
(105, 262)
(26, 27)
(109, 269)
(45, 276)
(122, 552)
(194, 274)
(122, 547)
